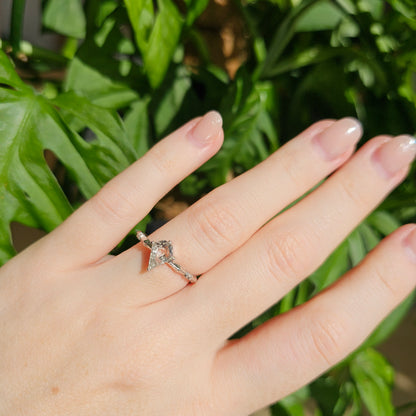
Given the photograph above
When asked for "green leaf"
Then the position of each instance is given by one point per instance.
(299, 59)
(8, 75)
(106, 68)
(383, 222)
(287, 302)
(142, 18)
(282, 37)
(373, 377)
(357, 250)
(100, 89)
(405, 7)
(156, 35)
(195, 8)
(137, 126)
(386, 328)
(335, 396)
(291, 405)
(333, 268)
(106, 125)
(326, 393)
(370, 236)
(321, 16)
(321, 92)
(374, 7)
(350, 394)
(250, 134)
(65, 17)
(168, 100)
(280, 409)
(29, 192)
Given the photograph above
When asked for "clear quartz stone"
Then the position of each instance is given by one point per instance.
(162, 252)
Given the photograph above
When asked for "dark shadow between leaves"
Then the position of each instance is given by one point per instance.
(23, 236)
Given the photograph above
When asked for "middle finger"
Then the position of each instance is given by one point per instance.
(226, 218)
(294, 244)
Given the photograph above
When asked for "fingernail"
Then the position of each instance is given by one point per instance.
(410, 245)
(338, 138)
(206, 129)
(394, 155)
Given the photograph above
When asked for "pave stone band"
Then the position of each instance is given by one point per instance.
(161, 252)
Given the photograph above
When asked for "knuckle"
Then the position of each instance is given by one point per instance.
(293, 172)
(159, 158)
(352, 191)
(112, 205)
(217, 222)
(381, 277)
(328, 338)
(289, 256)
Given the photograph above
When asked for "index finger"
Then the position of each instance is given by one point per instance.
(97, 227)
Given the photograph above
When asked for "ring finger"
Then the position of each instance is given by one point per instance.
(223, 220)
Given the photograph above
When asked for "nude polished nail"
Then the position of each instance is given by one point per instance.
(410, 245)
(338, 138)
(394, 155)
(206, 129)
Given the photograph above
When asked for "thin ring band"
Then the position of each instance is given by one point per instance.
(161, 252)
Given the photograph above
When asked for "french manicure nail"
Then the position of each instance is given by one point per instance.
(410, 245)
(206, 129)
(394, 155)
(338, 138)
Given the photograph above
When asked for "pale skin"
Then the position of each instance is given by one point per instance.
(84, 333)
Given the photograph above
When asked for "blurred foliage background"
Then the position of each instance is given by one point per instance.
(129, 72)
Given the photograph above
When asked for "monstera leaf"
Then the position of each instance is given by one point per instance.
(30, 124)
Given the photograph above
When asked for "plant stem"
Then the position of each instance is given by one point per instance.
(16, 24)
(37, 53)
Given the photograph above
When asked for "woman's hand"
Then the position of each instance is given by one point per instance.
(84, 333)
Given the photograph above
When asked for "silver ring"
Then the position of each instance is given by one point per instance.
(161, 252)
